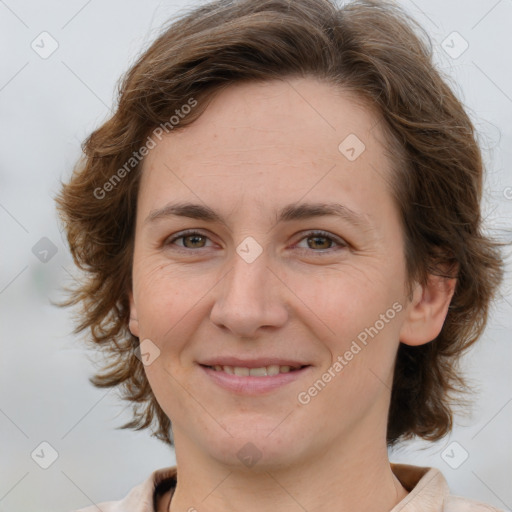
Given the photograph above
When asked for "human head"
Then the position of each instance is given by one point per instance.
(366, 48)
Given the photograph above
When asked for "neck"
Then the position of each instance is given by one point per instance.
(342, 479)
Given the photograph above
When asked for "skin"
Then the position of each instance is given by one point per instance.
(256, 148)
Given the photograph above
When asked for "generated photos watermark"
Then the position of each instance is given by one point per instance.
(143, 151)
(305, 397)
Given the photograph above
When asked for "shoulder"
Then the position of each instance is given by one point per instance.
(460, 504)
(143, 497)
(428, 490)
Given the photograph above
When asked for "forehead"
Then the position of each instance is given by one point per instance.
(272, 142)
(296, 115)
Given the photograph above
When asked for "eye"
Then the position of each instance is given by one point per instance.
(190, 240)
(319, 241)
(322, 241)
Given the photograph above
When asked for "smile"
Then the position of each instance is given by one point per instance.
(262, 371)
(259, 380)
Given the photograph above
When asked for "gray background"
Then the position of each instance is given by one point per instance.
(47, 107)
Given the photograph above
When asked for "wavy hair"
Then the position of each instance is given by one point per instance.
(371, 48)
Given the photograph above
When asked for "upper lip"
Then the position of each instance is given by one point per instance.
(251, 363)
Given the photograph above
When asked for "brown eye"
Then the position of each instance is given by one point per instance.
(320, 241)
(189, 240)
(193, 241)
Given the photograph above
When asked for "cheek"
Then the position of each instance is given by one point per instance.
(346, 301)
(363, 318)
(163, 287)
(360, 372)
(161, 301)
(167, 387)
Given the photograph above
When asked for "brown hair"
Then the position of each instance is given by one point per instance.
(371, 48)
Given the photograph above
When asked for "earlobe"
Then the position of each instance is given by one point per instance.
(133, 324)
(426, 313)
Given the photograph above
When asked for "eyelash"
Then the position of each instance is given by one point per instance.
(320, 234)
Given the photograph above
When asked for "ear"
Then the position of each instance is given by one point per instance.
(134, 321)
(426, 313)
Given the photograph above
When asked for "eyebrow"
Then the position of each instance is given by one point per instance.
(290, 212)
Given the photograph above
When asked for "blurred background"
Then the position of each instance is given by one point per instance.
(60, 62)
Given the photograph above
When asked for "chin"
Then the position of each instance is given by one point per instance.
(264, 448)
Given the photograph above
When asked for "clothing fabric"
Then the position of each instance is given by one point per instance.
(427, 488)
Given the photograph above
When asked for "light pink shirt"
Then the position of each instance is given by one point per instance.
(427, 487)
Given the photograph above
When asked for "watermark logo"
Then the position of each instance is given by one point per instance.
(147, 352)
(249, 249)
(44, 250)
(454, 45)
(455, 455)
(352, 147)
(45, 45)
(249, 454)
(44, 455)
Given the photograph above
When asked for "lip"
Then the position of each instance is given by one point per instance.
(252, 385)
(251, 363)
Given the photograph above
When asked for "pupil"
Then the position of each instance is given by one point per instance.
(193, 238)
(317, 238)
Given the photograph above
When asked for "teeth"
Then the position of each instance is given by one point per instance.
(263, 371)
(258, 372)
(273, 370)
(241, 371)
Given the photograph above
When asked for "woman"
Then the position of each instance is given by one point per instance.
(280, 227)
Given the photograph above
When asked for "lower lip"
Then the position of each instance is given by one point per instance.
(251, 385)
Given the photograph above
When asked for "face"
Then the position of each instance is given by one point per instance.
(291, 257)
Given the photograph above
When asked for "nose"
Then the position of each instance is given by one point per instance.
(249, 299)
